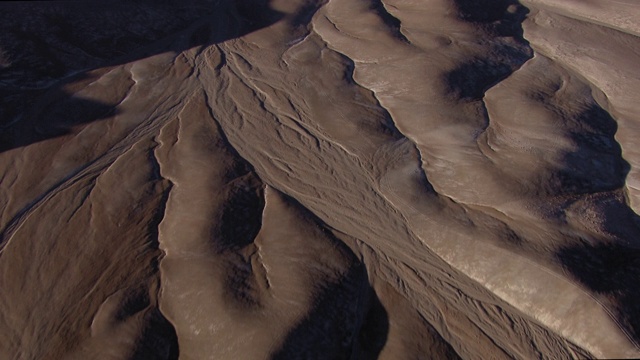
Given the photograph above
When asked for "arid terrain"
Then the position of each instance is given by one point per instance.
(320, 179)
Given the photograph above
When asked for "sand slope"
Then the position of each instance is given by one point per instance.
(320, 180)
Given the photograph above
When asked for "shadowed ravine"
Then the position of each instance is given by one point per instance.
(332, 179)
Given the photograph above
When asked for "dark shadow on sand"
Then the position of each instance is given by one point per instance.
(347, 322)
(597, 171)
(495, 19)
(49, 44)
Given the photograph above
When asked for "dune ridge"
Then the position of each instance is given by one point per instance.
(323, 179)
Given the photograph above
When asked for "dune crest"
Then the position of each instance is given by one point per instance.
(320, 180)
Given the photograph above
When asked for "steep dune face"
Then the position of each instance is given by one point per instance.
(320, 180)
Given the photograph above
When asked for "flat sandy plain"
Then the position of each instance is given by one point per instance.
(306, 179)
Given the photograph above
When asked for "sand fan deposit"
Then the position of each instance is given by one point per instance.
(307, 179)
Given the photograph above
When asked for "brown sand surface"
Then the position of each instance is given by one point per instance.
(302, 179)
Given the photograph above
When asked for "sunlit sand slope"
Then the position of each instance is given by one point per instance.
(342, 179)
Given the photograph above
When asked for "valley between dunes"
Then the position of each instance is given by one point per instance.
(307, 179)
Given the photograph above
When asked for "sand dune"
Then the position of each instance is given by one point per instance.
(392, 179)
